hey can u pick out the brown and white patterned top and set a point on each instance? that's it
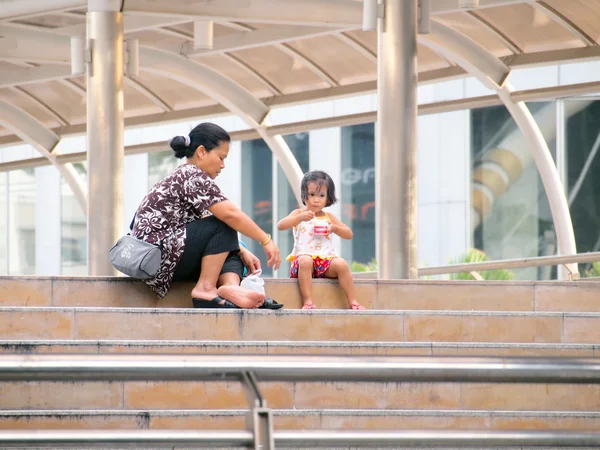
(180, 198)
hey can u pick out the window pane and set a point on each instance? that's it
(74, 229)
(358, 191)
(160, 164)
(21, 222)
(510, 215)
(3, 225)
(286, 200)
(583, 175)
(257, 192)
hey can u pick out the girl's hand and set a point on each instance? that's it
(272, 252)
(250, 260)
(306, 215)
(330, 229)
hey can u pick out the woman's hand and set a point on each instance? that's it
(250, 260)
(272, 252)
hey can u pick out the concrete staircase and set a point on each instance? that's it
(108, 315)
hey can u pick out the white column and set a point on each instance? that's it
(396, 155)
(47, 221)
(325, 153)
(105, 128)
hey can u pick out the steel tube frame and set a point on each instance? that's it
(298, 368)
(493, 73)
(105, 134)
(396, 152)
(33, 132)
(295, 439)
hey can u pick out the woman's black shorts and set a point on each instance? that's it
(204, 237)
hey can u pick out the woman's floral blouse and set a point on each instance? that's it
(182, 197)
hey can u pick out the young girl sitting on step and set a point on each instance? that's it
(313, 255)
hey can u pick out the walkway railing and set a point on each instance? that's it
(251, 369)
(475, 268)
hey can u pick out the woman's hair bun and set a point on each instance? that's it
(179, 146)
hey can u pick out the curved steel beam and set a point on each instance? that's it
(229, 94)
(33, 132)
(493, 73)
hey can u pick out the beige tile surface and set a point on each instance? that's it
(327, 293)
(582, 330)
(202, 422)
(315, 326)
(546, 423)
(201, 395)
(377, 395)
(72, 422)
(455, 296)
(402, 422)
(157, 325)
(23, 324)
(583, 296)
(25, 291)
(535, 397)
(60, 395)
(482, 328)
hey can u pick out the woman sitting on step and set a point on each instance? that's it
(205, 250)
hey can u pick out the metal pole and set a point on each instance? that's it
(304, 439)
(396, 155)
(298, 368)
(105, 127)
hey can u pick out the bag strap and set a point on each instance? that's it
(132, 222)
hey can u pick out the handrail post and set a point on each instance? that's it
(259, 419)
(573, 276)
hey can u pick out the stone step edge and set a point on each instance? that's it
(287, 312)
(302, 412)
(299, 344)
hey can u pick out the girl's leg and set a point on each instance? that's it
(339, 269)
(305, 271)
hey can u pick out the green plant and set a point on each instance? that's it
(371, 266)
(474, 255)
(594, 271)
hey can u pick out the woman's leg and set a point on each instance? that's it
(210, 253)
(339, 269)
(206, 286)
(305, 271)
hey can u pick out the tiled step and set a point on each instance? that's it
(299, 347)
(299, 395)
(285, 325)
(300, 419)
(374, 294)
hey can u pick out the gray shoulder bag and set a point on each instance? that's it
(136, 258)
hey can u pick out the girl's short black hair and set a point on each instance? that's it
(207, 134)
(322, 179)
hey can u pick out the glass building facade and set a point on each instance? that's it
(478, 187)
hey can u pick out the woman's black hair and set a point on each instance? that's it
(322, 179)
(206, 134)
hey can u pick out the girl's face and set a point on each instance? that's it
(317, 196)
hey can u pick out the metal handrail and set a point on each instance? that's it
(298, 368)
(305, 438)
(249, 369)
(512, 263)
(519, 263)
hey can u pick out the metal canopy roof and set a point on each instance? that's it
(281, 51)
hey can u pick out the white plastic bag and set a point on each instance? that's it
(254, 282)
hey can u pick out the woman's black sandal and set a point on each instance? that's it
(215, 303)
(270, 304)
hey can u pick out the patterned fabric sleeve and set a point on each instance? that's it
(202, 192)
